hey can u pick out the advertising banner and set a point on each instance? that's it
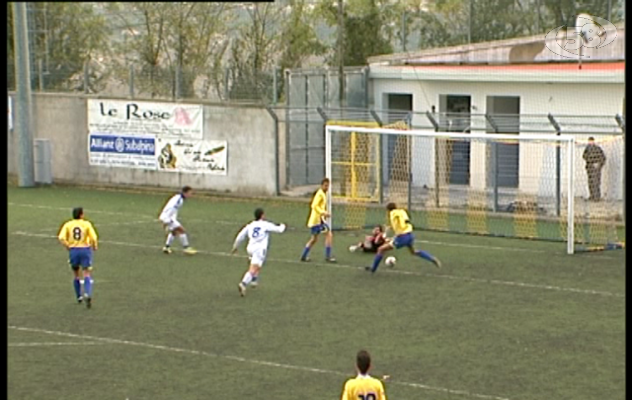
(192, 156)
(122, 151)
(123, 117)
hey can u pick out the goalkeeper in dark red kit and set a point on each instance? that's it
(371, 243)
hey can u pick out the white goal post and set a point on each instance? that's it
(363, 166)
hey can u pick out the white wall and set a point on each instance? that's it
(249, 132)
(535, 98)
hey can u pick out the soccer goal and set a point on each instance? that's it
(529, 186)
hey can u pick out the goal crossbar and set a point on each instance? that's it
(454, 135)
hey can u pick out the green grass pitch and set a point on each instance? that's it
(504, 318)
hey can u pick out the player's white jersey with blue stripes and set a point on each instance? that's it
(170, 210)
(258, 234)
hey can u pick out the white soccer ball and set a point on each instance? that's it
(391, 261)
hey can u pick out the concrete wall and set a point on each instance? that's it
(535, 98)
(249, 131)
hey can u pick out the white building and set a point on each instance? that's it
(523, 79)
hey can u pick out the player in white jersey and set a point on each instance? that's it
(258, 234)
(169, 218)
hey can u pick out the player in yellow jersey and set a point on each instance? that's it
(363, 386)
(79, 237)
(317, 222)
(403, 230)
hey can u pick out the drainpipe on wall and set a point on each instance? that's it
(275, 118)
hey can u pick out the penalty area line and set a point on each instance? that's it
(388, 271)
(44, 344)
(248, 361)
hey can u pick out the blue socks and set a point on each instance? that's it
(327, 251)
(376, 262)
(305, 252)
(425, 255)
(77, 285)
(87, 286)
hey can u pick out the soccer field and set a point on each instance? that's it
(503, 319)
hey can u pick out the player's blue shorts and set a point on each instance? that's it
(320, 228)
(404, 240)
(80, 257)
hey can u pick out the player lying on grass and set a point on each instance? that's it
(403, 229)
(371, 243)
(258, 234)
(169, 218)
(80, 239)
(363, 386)
(317, 222)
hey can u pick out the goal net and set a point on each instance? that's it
(529, 186)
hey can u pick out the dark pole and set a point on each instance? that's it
(469, 22)
(409, 141)
(404, 31)
(341, 62)
(306, 131)
(494, 126)
(558, 167)
(496, 172)
(288, 124)
(537, 19)
(275, 118)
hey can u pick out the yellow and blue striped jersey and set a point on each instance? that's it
(318, 208)
(400, 221)
(363, 387)
(78, 233)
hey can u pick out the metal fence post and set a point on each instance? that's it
(40, 72)
(496, 174)
(275, 118)
(306, 130)
(558, 168)
(86, 77)
(495, 161)
(131, 81)
(178, 83)
(226, 77)
(275, 89)
(326, 88)
(437, 174)
(410, 163)
(288, 125)
(621, 123)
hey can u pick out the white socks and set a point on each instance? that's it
(169, 239)
(184, 240)
(247, 278)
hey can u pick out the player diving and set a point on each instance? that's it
(403, 230)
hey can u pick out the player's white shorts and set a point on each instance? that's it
(257, 257)
(171, 224)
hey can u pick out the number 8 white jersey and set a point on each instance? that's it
(170, 210)
(258, 234)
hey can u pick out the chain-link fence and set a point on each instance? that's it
(140, 82)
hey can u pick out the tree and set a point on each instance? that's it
(165, 37)
(64, 36)
(254, 52)
(366, 30)
(299, 40)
